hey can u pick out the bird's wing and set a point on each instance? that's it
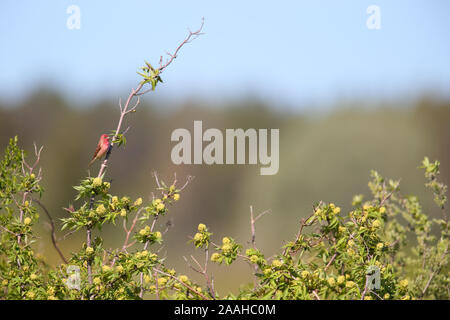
(99, 145)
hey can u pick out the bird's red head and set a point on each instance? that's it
(105, 137)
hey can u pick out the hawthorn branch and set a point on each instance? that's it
(141, 275)
(9, 231)
(190, 37)
(436, 271)
(172, 56)
(126, 109)
(203, 271)
(89, 263)
(330, 262)
(316, 295)
(366, 287)
(387, 197)
(128, 231)
(182, 283)
(52, 225)
(135, 93)
(252, 224)
(253, 239)
(155, 218)
(155, 275)
(37, 154)
(303, 223)
(371, 291)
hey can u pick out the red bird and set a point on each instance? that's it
(102, 148)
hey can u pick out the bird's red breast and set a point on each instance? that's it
(102, 148)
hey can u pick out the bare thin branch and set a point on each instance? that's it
(190, 37)
(9, 231)
(52, 226)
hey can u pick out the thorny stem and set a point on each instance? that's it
(141, 276)
(182, 283)
(253, 240)
(303, 223)
(155, 275)
(123, 112)
(316, 295)
(203, 271)
(88, 243)
(366, 287)
(52, 225)
(137, 92)
(435, 272)
(30, 168)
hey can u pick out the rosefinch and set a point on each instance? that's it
(102, 148)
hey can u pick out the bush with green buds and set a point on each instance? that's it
(334, 255)
(331, 256)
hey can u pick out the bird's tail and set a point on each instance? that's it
(92, 161)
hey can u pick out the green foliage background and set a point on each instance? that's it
(325, 155)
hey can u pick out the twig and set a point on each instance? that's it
(188, 180)
(155, 275)
(387, 197)
(88, 243)
(9, 231)
(128, 232)
(316, 295)
(141, 276)
(253, 239)
(303, 223)
(252, 224)
(155, 219)
(31, 168)
(330, 262)
(203, 271)
(190, 37)
(366, 287)
(182, 283)
(124, 110)
(52, 225)
(69, 234)
(434, 272)
(371, 291)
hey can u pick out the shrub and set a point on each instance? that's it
(335, 255)
(331, 257)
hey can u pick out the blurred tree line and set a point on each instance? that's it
(323, 155)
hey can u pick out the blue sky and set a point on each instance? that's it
(294, 52)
